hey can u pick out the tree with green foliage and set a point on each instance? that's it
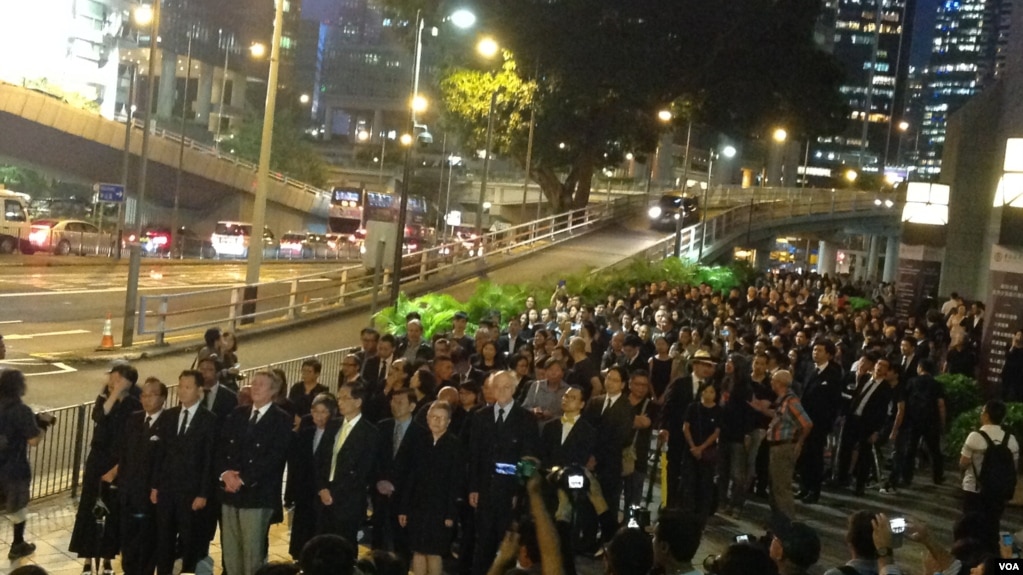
(292, 153)
(603, 68)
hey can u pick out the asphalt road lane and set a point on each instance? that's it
(600, 248)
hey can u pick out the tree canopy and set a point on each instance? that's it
(597, 72)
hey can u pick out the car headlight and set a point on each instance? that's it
(655, 212)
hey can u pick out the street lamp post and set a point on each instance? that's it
(487, 48)
(728, 152)
(154, 35)
(685, 186)
(903, 126)
(255, 252)
(126, 158)
(181, 148)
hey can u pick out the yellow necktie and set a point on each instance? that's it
(345, 429)
(568, 420)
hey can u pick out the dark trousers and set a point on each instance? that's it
(811, 461)
(387, 533)
(611, 487)
(855, 439)
(344, 517)
(494, 515)
(991, 512)
(178, 527)
(675, 476)
(931, 436)
(763, 479)
(138, 530)
(698, 486)
(467, 542)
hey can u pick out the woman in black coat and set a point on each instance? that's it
(119, 399)
(428, 502)
(300, 493)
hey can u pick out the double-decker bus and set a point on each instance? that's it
(347, 213)
(381, 218)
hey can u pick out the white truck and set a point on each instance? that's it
(14, 223)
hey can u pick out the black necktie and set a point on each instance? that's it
(500, 417)
(149, 422)
(184, 422)
(255, 417)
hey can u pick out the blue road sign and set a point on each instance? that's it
(110, 192)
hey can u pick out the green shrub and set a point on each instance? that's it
(859, 303)
(970, 421)
(961, 394)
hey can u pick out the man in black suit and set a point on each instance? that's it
(821, 398)
(375, 369)
(412, 346)
(634, 359)
(868, 411)
(611, 414)
(344, 471)
(925, 419)
(908, 360)
(567, 441)
(183, 480)
(139, 448)
(250, 464)
(510, 342)
(678, 396)
(390, 471)
(368, 338)
(219, 400)
(502, 434)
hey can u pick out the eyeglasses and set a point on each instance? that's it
(350, 364)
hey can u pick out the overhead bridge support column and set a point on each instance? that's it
(827, 254)
(891, 259)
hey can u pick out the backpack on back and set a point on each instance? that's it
(997, 478)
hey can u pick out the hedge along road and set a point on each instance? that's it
(599, 248)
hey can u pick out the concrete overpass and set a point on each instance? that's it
(755, 216)
(45, 131)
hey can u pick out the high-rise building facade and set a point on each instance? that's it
(871, 41)
(968, 54)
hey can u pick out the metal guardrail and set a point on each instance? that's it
(213, 151)
(287, 300)
(763, 208)
(57, 462)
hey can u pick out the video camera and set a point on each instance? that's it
(45, 421)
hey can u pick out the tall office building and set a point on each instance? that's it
(361, 73)
(871, 40)
(968, 54)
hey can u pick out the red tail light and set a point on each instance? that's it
(39, 235)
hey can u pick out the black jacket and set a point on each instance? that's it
(355, 462)
(822, 397)
(223, 404)
(257, 454)
(614, 431)
(489, 444)
(576, 450)
(185, 465)
(875, 411)
(139, 449)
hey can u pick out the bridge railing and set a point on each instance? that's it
(316, 294)
(750, 210)
(214, 151)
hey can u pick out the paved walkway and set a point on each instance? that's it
(51, 520)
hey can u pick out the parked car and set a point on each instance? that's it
(156, 241)
(63, 237)
(231, 239)
(14, 223)
(307, 245)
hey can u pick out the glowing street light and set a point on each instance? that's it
(463, 18)
(851, 175)
(303, 99)
(406, 139)
(487, 47)
(257, 49)
(728, 151)
(143, 14)
(780, 135)
(664, 115)
(903, 126)
(419, 103)
(363, 135)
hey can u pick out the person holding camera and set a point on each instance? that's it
(795, 547)
(19, 430)
(872, 545)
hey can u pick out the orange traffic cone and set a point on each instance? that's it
(108, 335)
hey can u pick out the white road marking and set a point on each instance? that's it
(10, 321)
(15, 336)
(112, 289)
(31, 361)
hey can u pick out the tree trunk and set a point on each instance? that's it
(551, 187)
(584, 180)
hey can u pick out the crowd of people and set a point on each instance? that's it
(455, 441)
